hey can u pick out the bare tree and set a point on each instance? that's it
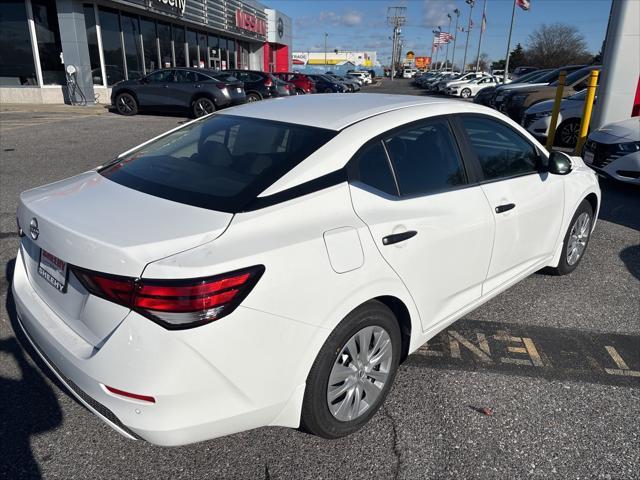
(556, 45)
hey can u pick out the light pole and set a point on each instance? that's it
(446, 55)
(325, 48)
(464, 61)
(484, 13)
(455, 37)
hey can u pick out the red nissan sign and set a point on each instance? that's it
(249, 22)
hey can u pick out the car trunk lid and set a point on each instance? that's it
(93, 223)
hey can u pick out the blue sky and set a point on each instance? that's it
(361, 24)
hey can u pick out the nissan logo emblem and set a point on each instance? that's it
(34, 231)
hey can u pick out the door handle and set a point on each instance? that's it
(505, 208)
(198, 86)
(398, 237)
(165, 86)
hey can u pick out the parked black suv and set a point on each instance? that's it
(257, 85)
(177, 89)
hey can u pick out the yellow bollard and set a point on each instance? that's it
(586, 112)
(556, 110)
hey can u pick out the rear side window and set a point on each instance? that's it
(501, 151)
(373, 169)
(426, 159)
(162, 76)
(221, 163)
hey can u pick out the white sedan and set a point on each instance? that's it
(537, 119)
(242, 271)
(472, 87)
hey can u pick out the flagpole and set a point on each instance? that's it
(464, 61)
(482, 23)
(453, 55)
(506, 63)
(446, 55)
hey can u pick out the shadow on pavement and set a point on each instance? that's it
(28, 405)
(620, 203)
(631, 258)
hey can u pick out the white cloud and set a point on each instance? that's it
(350, 18)
(435, 13)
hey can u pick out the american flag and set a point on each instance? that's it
(523, 4)
(442, 37)
(483, 27)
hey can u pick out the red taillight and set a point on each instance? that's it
(221, 85)
(268, 82)
(175, 304)
(135, 396)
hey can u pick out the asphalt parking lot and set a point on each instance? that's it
(541, 382)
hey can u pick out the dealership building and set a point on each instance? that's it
(47, 45)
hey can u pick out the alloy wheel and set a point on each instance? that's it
(578, 238)
(359, 373)
(203, 106)
(126, 104)
(569, 133)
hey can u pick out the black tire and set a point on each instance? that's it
(202, 106)
(465, 93)
(126, 104)
(328, 90)
(316, 417)
(253, 97)
(564, 266)
(300, 91)
(567, 133)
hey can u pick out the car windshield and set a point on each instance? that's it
(532, 76)
(221, 162)
(575, 76)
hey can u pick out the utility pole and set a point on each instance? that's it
(506, 62)
(484, 16)
(455, 37)
(396, 17)
(471, 4)
(325, 48)
(446, 55)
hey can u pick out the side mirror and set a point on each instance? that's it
(559, 163)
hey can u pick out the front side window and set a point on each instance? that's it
(162, 76)
(425, 158)
(187, 76)
(221, 163)
(501, 151)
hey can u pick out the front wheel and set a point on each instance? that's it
(253, 97)
(576, 239)
(126, 104)
(465, 93)
(203, 106)
(352, 373)
(567, 134)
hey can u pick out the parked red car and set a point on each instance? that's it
(302, 83)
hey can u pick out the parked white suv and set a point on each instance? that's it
(365, 77)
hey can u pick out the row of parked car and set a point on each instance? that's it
(613, 150)
(203, 91)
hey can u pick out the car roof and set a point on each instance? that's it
(330, 111)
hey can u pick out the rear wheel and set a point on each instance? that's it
(300, 91)
(253, 97)
(567, 134)
(202, 106)
(576, 239)
(352, 373)
(126, 104)
(465, 93)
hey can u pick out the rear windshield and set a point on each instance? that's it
(222, 162)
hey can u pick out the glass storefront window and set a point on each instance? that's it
(192, 40)
(92, 41)
(111, 46)
(202, 44)
(224, 62)
(214, 53)
(149, 44)
(231, 46)
(16, 57)
(45, 18)
(178, 46)
(132, 47)
(164, 36)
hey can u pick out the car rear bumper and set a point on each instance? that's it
(205, 381)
